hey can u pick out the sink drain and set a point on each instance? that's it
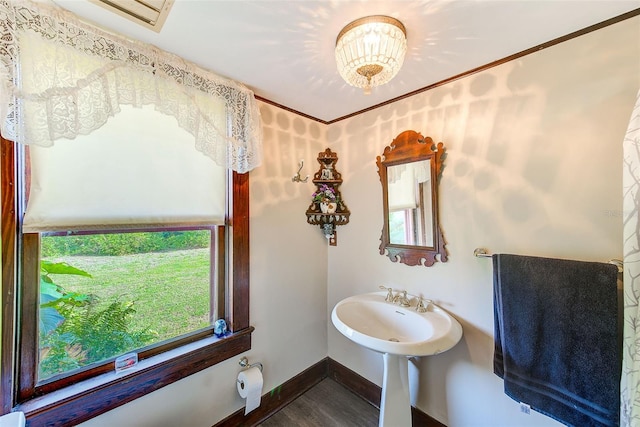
(394, 339)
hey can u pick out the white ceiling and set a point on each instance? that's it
(284, 49)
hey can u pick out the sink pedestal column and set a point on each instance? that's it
(395, 404)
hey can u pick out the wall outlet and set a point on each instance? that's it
(333, 240)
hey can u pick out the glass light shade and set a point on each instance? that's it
(370, 51)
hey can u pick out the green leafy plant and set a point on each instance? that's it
(52, 295)
(76, 330)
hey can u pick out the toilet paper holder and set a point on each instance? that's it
(244, 362)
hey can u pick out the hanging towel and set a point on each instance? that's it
(557, 341)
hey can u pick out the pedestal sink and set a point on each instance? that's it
(396, 332)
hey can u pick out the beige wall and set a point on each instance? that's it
(533, 167)
(534, 153)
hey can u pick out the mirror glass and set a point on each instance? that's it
(409, 203)
(409, 170)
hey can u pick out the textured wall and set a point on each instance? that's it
(533, 167)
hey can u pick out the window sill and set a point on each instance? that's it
(87, 399)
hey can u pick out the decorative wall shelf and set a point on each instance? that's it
(330, 213)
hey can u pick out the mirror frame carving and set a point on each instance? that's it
(411, 146)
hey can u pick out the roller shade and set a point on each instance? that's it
(403, 183)
(140, 169)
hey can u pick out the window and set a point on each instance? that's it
(51, 356)
(71, 86)
(106, 294)
(401, 226)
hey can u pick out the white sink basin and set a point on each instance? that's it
(372, 322)
(396, 332)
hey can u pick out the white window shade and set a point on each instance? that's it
(139, 169)
(402, 188)
(403, 183)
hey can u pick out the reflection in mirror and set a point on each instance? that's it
(409, 171)
(410, 207)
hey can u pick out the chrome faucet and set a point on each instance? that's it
(401, 299)
(389, 297)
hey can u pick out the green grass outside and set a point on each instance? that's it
(170, 289)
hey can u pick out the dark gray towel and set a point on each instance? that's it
(557, 340)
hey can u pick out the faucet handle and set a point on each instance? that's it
(389, 297)
(422, 305)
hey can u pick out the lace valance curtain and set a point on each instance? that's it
(62, 78)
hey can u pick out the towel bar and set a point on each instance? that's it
(618, 263)
(483, 253)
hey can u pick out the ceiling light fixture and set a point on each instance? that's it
(370, 51)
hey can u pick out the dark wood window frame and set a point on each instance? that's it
(29, 386)
(93, 396)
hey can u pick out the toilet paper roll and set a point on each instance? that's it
(250, 387)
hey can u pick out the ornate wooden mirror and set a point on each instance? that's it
(410, 168)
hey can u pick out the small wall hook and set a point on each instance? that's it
(296, 177)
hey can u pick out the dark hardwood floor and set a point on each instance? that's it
(327, 404)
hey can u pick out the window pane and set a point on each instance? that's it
(103, 295)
